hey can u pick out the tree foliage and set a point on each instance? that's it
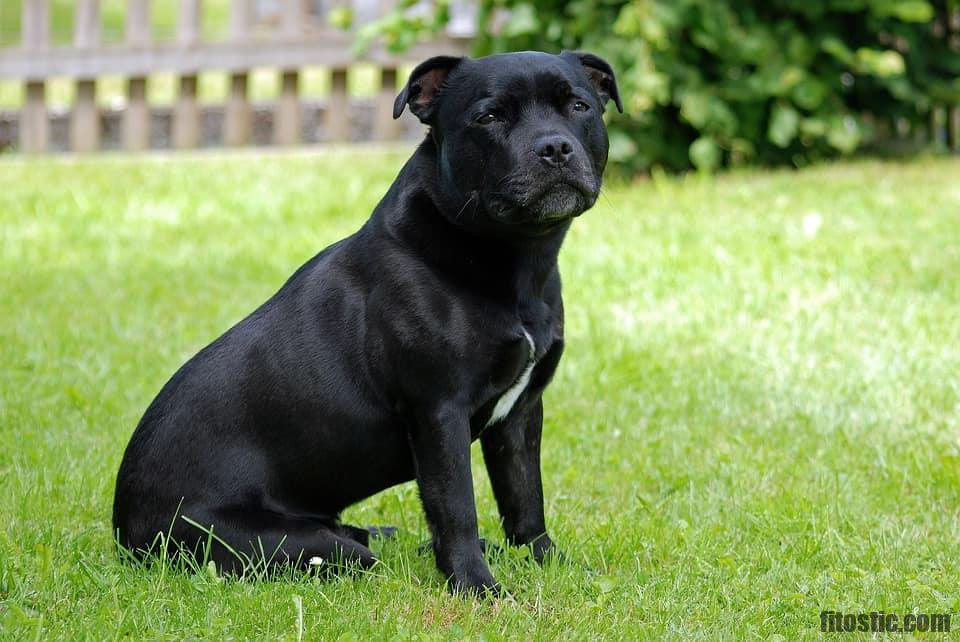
(710, 84)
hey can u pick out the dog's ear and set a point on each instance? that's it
(424, 84)
(599, 73)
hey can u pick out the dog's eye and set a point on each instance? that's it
(580, 106)
(488, 118)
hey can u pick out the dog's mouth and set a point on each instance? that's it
(549, 205)
(562, 201)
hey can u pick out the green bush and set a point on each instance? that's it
(710, 84)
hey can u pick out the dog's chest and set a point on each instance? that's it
(509, 397)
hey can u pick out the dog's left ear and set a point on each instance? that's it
(599, 73)
(424, 84)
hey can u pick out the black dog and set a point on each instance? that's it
(382, 358)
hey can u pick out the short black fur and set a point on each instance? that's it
(383, 357)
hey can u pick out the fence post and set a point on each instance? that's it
(186, 113)
(933, 125)
(34, 123)
(286, 118)
(953, 129)
(336, 119)
(286, 127)
(136, 117)
(85, 118)
(385, 126)
(237, 120)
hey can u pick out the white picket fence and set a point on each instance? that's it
(295, 36)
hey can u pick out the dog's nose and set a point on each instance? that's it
(555, 150)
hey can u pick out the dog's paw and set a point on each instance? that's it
(544, 550)
(476, 583)
(468, 574)
(489, 549)
(382, 532)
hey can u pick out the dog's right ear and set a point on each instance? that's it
(599, 73)
(424, 84)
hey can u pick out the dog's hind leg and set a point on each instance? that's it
(363, 535)
(242, 540)
(382, 532)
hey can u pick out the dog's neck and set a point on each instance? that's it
(497, 264)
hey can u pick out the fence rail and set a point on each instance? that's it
(297, 37)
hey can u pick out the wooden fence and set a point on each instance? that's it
(299, 37)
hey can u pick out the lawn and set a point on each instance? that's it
(757, 417)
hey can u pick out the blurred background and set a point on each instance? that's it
(757, 416)
(705, 84)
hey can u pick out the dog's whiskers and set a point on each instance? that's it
(469, 200)
(605, 197)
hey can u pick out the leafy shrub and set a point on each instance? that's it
(710, 84)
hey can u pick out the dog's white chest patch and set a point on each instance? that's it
(510, 396)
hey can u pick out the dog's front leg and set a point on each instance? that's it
(441, 452)
(511, 452)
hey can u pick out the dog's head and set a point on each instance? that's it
(520, 137)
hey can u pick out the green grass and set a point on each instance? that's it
(757, 417)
